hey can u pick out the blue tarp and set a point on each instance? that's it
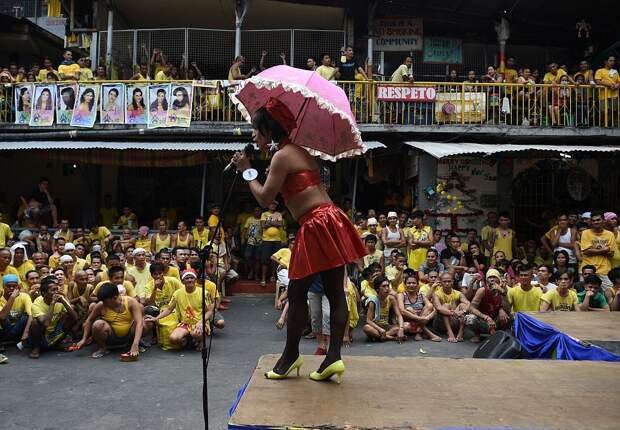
(541, 340)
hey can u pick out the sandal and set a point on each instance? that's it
(99, 354)
(34, 355)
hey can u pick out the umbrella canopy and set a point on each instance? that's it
(325, 125)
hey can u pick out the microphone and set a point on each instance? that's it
(248, 150)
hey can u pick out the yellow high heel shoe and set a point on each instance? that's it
(336, 368)
(296, 365)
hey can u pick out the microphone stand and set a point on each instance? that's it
(204, 258)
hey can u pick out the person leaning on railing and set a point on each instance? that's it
(608, 77)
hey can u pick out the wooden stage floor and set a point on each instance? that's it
(434, 393)
(587, 326)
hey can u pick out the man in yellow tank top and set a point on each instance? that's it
(115, 322)
(451, 308)
(200, 233)
(503, 238)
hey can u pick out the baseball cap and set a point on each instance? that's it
(65, 259)
(69, 247)
(372, 221)
(6, 279)
(138, 251)
(586, 215)
(493, 273)
(392, 214)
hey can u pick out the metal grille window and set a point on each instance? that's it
(314, 43)
(212, 50)
(274, 41)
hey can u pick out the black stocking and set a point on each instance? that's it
(333, 284)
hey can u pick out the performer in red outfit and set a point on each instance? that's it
(324, 244)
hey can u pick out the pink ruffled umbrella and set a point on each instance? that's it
(325, 124)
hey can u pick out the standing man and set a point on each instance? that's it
(200, 233)
(251, 237)
(598, 247)
(419, 240)
(487, 233)
(608, 97)
(326, 70)
(503, 237)
(140, 272)
(69, 70)
(271, 223)
(5, 233)
(347, 69)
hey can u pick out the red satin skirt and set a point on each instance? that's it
(326, 239)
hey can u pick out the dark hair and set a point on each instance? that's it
(433, 250)
(596, 213)
(31, 271)
(549, 268)
(113, 90)
(107, 291)
(267, 126)
(469, 230)
(133, 100)
(20, 103)
(588, 266)
(49, 102)
(525, 267)
(114, 270)
(91, 103)
(367, 272)
(71, 92)
(369, 238)
(46, 283)
(180, 104)
(111, 257)
(417, 214)
(156, 268)
(408, 272)
(325, 55)
(376, 284)
(409, 275)
(555, 256)
(504, 214)
(164, 103)
(592, 279)
(613, 274)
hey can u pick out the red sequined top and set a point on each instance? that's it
(296, 182)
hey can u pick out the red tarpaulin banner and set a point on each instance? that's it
(393, 93)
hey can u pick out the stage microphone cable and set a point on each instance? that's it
(204, 257)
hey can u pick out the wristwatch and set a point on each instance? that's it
(250, 174)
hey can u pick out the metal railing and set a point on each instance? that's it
(428, 104)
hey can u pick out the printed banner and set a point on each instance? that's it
(112, 104)
(44, 108)
(443, 50)
(23, 103)
(470, 107)
(398, 34)
(180, 111)
(65, 102)
(137, 99)
(407, 93)
(158, 107)
(85, 110)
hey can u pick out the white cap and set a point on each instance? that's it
(96, 248)
(66, 259)
(187, 273)
(69, 247)
(586, 215)
(392, 214)
(372, 221)
(138, 251)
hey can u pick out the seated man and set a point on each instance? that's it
(489, 309)
(451, 306)
(561, 298)
(187, 303)
(52, 316)
(523, 296)
(15, 311)
(378, 325)
(116, 276)
(115, 322)
(591, 298)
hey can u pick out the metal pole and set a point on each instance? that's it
(241, 8)
(108, 61)
(204, 189)
(237, 40)
(353, 200)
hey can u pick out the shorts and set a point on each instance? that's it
(252, 251)
(283, 277)
(480, 326)
(267, 249)
(439, 326)
(319, 313)
(218, 317)
(13, 328)
(49, 340)
(116, 341)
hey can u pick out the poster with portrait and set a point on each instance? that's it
(158, 105)
(85, 109)
(23, 103)
(112, 104)
(43, 107)
(65, 102)
(137, 100)
(180, 109)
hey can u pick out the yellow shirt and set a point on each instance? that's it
(163, 295)
(162, 243)
(550, 78)
(188, 306)
(201, 239)
(326, 72)
(372, 258)
(212, 223)
(108, 215)
(21, 305)
(23, 269)
(398, 74)
(367, 289)
(40, 308)
(69, 70)
(559, 303)
(485, 236)
(42, 76)
(590, 239)
(524, 301)
(86, 74)
(142, 278)
(271, 233)
(453, 298)
(615, 260)
(511, 75)
(124, 220)
(120, 322)
(5, 234)
(9, 270)
(354, 316)
(131, 292)
(242, 218)
(283, 256)
(144, 244)
(504, 242)
(161, 76)
(391, 272)
(608, 76)
(101, 234)
(173, 271)
(86, 294)
(417, 256)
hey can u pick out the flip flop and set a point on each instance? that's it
(3, 359)
(34, 355)
(99, 354)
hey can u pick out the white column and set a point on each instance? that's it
(108, 60)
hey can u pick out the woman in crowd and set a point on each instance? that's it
(416, 309)
(561, 265)
(378, 325)
(475, 258)
(392, 235)
(431, 263)
(183, 238)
